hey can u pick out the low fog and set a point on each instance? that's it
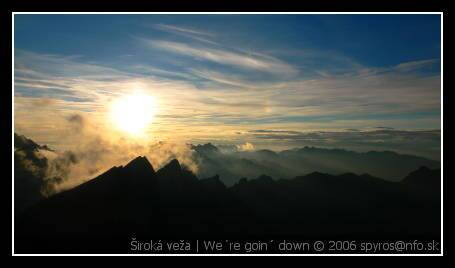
(41, 171)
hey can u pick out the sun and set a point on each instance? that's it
(133, 113)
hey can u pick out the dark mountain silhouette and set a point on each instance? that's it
(22, 142)
(108, 204)
(422, 178)
(30, 180)
(103, 214)
(348, 204)
(421, 184)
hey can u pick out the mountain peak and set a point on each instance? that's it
(172, 168)
(173, 164)
(265, 179)
(206, 148)
(24, 143)
(210, 145)
(423, 169)
(423, 175)
(213, 183)
(140, 163)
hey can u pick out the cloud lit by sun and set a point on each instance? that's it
(132, 114)
(179, 81)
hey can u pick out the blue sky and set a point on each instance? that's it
(372, 40)
(235, 73)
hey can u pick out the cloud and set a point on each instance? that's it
(226, 57)
(94, 151)
(415, 65)
(419, 142)
(199, 35)
(37, 171)
(77, 121)
(179, 29)
(227, 104)
(389, 128)
(288, 132)
(245, 147)
(382, 132)
(230, 80)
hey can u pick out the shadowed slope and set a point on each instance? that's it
(173, 203)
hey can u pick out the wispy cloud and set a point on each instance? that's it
(226, 79)
(179, 29)
(226, 57)
(415, 65)
(49, 87)
(195, 34)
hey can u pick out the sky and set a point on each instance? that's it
(360, 82)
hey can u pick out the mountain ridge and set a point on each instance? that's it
(299, 161)
(135, 200)
(133, 180)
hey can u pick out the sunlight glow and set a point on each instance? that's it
(133, 113)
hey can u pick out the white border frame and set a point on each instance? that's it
(235, 13)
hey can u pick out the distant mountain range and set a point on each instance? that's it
(232, 165)
(103, 214)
